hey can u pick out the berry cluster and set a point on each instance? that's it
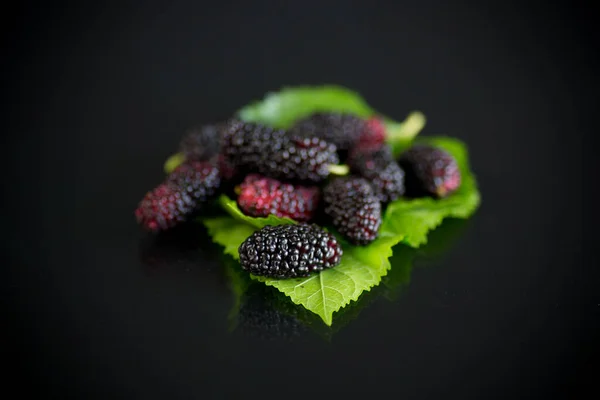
(291, 173)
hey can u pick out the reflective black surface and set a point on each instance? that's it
(505, 305)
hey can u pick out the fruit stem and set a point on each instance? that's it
(407, 129)
(339, 169)
(173, 162)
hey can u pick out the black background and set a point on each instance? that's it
(96, 96)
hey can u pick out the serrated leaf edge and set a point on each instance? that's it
(327, 316)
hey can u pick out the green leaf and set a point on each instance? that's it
(413, 219)
(391, 287)
(232, 209)
(228, 232)
(281, 109)
(328, 291)
(324, 293)
(361, 268)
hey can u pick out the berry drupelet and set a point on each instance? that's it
(289, 251)
(164, 207)
(353, 208)
(201, 143)
(377, 165)
(430, 171)
(275, 154)
(343, 130)
(185, 190)
(260, 196)
(245, 144)
(200, 179)
(299, 159)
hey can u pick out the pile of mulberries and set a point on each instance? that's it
(328, 169)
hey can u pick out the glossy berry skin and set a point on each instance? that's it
(244, 144)
(298, 159)
(373, 133)
(342, 130)
(260, 196)
(200, 143)
(353, 209)
(430, 171)
(377, 165)
(164, 207)
(276, 154)
(289, 251)
(185, 190)
(199, 179)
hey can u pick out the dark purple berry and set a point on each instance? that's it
(289, 251)
(377, 165)
(185, 190)
(353, 208)
(201, 143)
(430, 171)
(260, 196)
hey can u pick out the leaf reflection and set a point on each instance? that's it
(263, 312)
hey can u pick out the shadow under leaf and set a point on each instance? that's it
(262, 312)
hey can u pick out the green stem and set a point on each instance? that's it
(407, 129)
(173, 162)
(339, 169)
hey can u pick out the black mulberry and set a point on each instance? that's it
(260, 196)
(343, 130)
(354, 209)
(244, 144)
(430, 171)
(377, 165)
(201, 143)
(185, 190)
(289, 251)
(276, 154)
(298, 159)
